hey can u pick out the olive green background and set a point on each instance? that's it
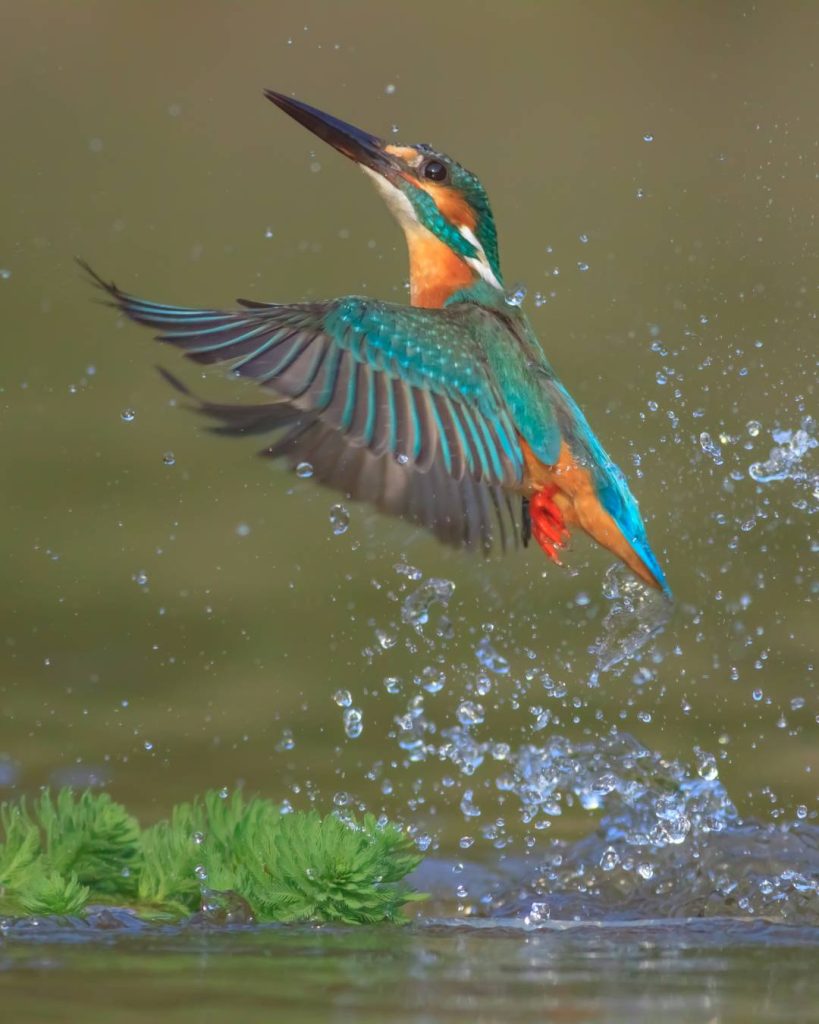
(135, 135)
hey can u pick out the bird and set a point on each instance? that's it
(445, 412)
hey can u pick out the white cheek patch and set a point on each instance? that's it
(479, 263)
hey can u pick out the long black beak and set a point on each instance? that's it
(360, 146)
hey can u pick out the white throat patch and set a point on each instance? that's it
(400, 207)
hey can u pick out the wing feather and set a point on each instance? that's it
(393, 380)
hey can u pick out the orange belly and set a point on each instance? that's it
(572, 491)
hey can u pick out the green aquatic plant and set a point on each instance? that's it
(53, 893)
(67, 850)
(349, 874)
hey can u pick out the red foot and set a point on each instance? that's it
(548, 527)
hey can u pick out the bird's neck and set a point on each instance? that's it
(436, 272)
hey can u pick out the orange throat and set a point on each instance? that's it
(436, 272)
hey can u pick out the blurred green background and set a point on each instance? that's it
(670, 147)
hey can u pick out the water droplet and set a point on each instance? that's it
(198, 838)
(753, 427)
(423, 841)
(385, 640)
(490, 658)
(242, 530)
(483, 685)
(394, 129)
(353, 722)
(582, 267)
(4, 274)
(648, 137)
(339, 519)
(609, 859)
(584, 238)
(201, 872)
(640, 193)
(468, 807)
(141, 578)
(470, 713)
(392, 684)
(516, 296)
(389, 89)
(148, 745)
(343, 698)
(706, 765)
(268, 232)
(416, 607)
(286, 742)
(304, 470)
(169, 459)
(711, 448)
(432, 679)
(538, 913)
(128, 415)
(605, 784)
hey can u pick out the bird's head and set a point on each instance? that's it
(441, 206)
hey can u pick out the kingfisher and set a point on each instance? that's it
(445, 412)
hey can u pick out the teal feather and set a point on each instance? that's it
(349, 406)
(463, 440)
(415, 451)
(477, 444)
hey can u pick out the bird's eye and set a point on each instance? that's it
(435, 170)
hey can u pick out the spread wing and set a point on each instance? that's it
(390, 404)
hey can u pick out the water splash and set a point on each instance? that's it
(650, 801)
(415, 609)
(668, 839)
(670, 843)
(636, 616)
(786, 459)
